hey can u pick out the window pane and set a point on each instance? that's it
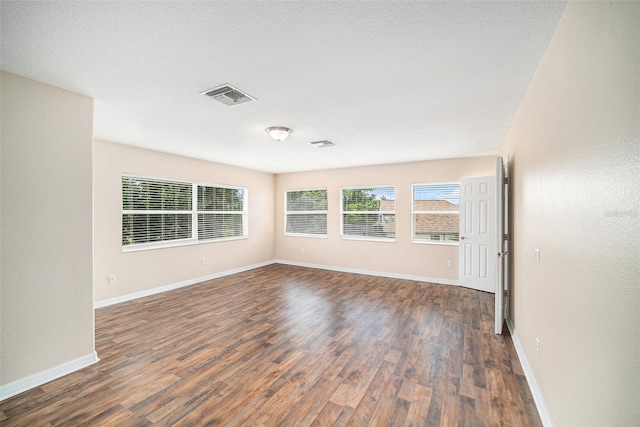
(428, 226)
(149, 228)
(436, 212)
(369, 225)
(155, 195)
(307, 200)
(440, 197)
(219, 226)
(220, 199)
(369, 199)
(307, 224)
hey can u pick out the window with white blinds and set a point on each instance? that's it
(157, 212)
(368, 213)
(306, 213)
(436, 213)
(220, 212)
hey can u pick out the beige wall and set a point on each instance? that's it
(144, 270)
(402, 257)
(47, 283)
(575, 152)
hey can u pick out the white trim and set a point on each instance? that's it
(313, 236)
(368, 239)
(435, 242)
(35, 380)
(177, 243)
(370, 272)
(531, 379)
(171, 286)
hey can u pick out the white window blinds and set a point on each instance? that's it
(436, 213)
(157, 212)
(220, 212)
(368, 212)
(306, 212)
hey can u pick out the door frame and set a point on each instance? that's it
(500, 239)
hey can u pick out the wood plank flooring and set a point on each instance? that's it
(291, 346)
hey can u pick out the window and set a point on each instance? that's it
(220, 212)
(436, 213)
(368, 213)
(306, 213)
(158, 213)
(155, 211)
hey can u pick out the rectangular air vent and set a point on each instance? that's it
(322, 144)
(228, 95)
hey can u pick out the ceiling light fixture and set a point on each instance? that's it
(278, 133)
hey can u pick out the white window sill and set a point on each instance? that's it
(369, 239)
(313, 236)
(435, 242)
(150, 246)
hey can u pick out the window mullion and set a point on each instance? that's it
(194, 211)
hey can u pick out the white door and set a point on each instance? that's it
(478, 233)
(500, 261)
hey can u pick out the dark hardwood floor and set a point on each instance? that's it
(291, 346)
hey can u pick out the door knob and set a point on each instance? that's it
(462, 237)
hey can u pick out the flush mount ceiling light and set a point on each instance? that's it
(278, 133)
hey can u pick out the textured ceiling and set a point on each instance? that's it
(386, 81)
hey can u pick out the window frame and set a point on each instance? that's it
(193, 212)
(378, 212)
(243, 212)
(415, 212)
(312, 212)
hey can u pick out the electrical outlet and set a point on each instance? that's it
(536, 253)
(537, 347)
(301, 250)
(112, 279)
(203, 261)
(450, 264)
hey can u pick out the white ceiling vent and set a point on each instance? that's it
(228, 95)
(322, 144)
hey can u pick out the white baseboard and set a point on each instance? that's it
(531, 380)
(370, 272)
(171, 286)
(35, 380)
